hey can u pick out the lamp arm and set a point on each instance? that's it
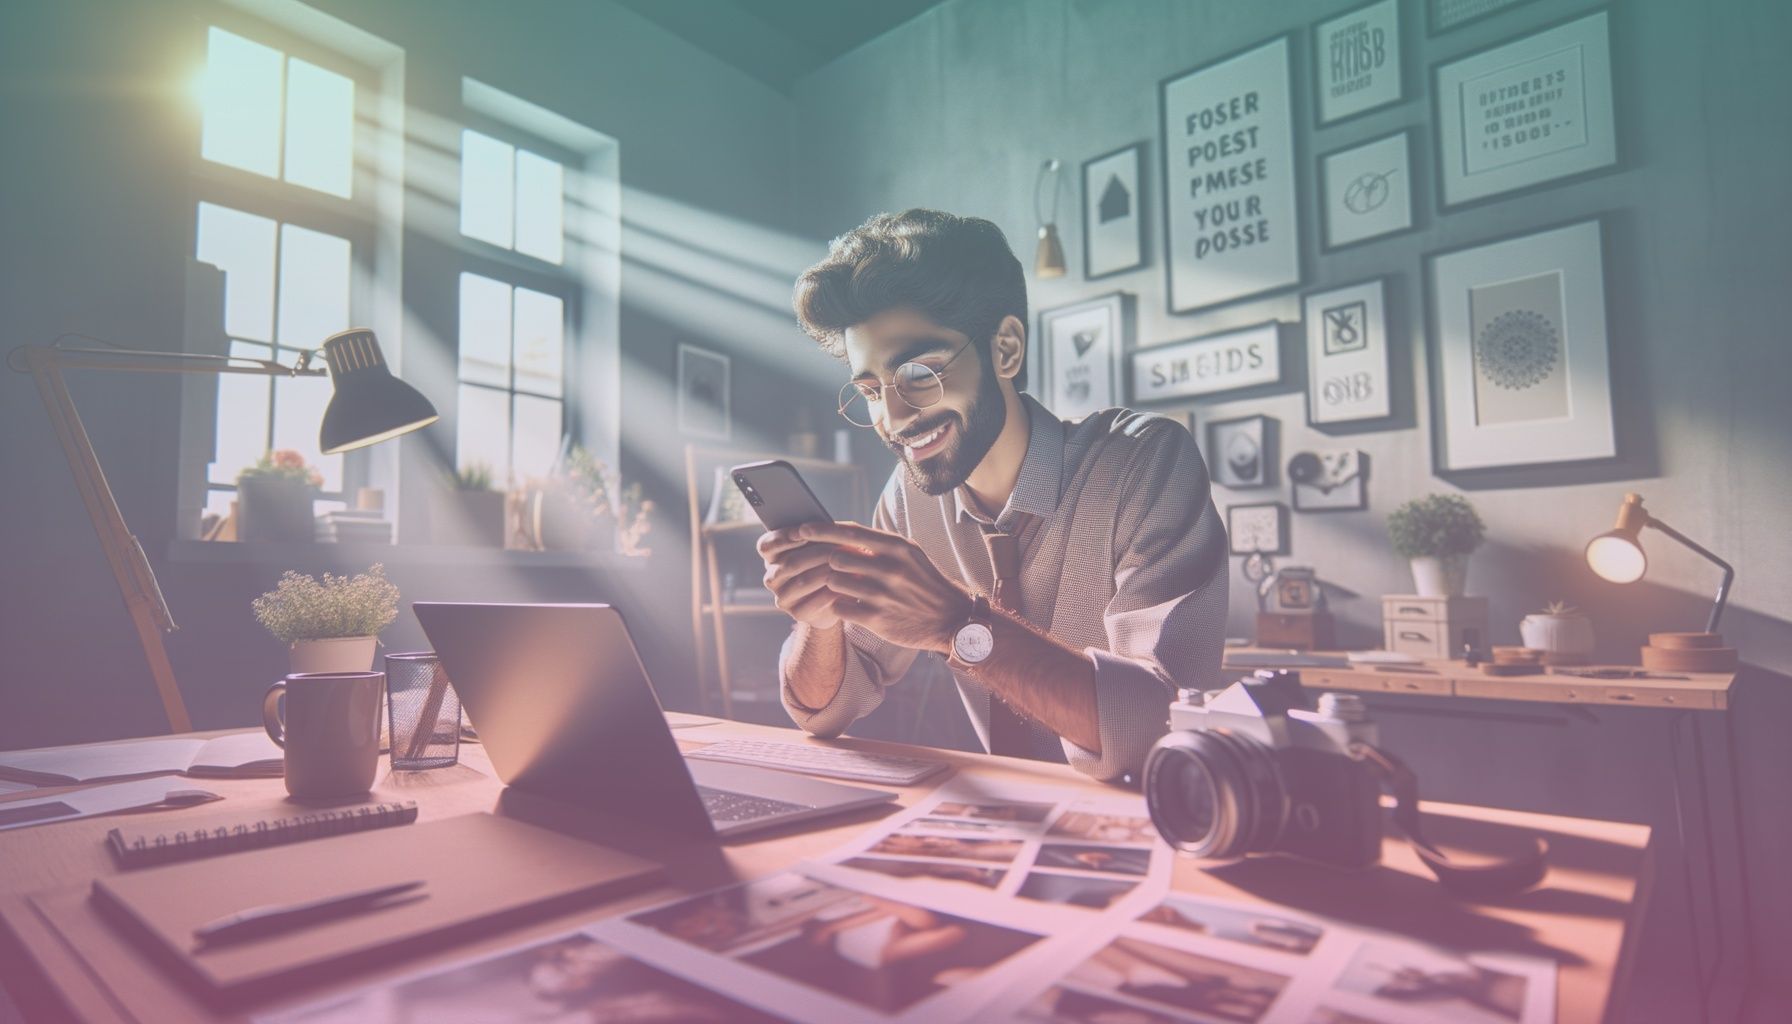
(26, 357)
(1723, 588)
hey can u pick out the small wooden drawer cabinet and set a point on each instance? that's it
(1433, 627)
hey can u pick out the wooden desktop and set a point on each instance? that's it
(1582, 916)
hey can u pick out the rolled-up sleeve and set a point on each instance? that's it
(1166, 622)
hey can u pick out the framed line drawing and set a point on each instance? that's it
(1257, 529)
(1525, 113)
(1080, 348)
(1231, 222)
(1114, 212)
(1241, 452)
(1225, 361)
(1347, 354)
(1523, 362)
(1366, 191)
(704, 408)
(1357, 62)
(1443, 15)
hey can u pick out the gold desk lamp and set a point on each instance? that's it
(1617, 555)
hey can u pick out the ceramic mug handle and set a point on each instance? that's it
(270, 714)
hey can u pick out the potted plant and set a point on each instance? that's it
(274, 496)
(573, 509)
(1437, 533)
(474, 513)
(333, 625)
(1561, 631)
(633, 523)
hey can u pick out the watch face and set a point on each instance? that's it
(973, 643)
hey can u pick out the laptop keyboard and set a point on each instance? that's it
(725, 806)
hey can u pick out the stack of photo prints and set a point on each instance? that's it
(986, 903)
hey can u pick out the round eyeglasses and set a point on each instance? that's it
(918, 385)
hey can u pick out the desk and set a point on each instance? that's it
(1581, 916)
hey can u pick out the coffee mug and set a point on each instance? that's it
(329, 729)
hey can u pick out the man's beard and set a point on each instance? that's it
(975, 435)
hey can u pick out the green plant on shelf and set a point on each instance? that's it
(301, 607)
(281, 464)
(1435, 526)
(474, 476)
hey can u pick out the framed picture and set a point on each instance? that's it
(1531, 111)
(1366, 191)
(1347, 354)
(1329, 481)
(1242, 452)
(1444, 15)
(1114, 212)
(703, 393)
(1523, 365)
(1258, 529)
(1201, 366)
(1356, 61)
(1231, 228)
(1080, 348)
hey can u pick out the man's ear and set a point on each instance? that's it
(1008, 350)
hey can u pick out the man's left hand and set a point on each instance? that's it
(895, 589)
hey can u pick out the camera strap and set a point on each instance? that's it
(1500, 877)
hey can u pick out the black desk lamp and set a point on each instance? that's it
(1617, 555)
(369, 405)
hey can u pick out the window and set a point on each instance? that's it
(512, 198)
(278, 116)
(512, 372)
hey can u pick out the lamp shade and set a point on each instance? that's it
(1048, 259)
(370, 405)
(1616, 556)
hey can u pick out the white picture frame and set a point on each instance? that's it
(1524, 372)
(1257, 528)
(1526, 113)
(1114, 212)
(1366, 191)
(1079, 353)
(1227, 361)
(705, 407)
(1347, 354)
(1357, 62)
(1231, 217)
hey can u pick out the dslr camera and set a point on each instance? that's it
(1250, 769)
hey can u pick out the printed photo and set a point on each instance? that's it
(1146, 971)
(1074, 890)
(1114, 860)
(741, 917)
(1448, 989)
(905, 844)
(575, 978)
(1027, 813)
(1104, 828)
(970, 825)
(987, 878)
(1236, 924)
(1327, 1015)
(1059, 1005)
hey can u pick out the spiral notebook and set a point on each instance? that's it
(144, 845)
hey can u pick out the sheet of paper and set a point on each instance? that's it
(85, 803)
(106, 760)
(237, 751)
(8, 786)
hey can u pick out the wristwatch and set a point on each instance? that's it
(975, 640)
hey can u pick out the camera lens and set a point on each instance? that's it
(1215, 794)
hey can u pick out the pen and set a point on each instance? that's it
(279, 917)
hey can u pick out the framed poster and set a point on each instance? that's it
(1534, 110)
(1258, 529)
(1444, 15)
(1523, 368)
(1201, 366)
(1113, 212)
(1080, 348)
(703, 393)
(1366, 191)
(1356, 61)
(1231, 228)
(1347, 354)
(1242, 452)
(1329, 481)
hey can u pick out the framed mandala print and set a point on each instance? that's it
(1523, 365)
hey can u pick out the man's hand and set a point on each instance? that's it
(797, 573)
(882, 581)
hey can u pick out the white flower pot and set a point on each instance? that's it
(334, 654)
(1558, 634)
(1440, 576)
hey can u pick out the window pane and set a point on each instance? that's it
(219, 501)
(539, 206)
(484, 331)
(320, 128)
(314, 287)
(241, 245)
(241, 97)
(487, 186)
(538, 430)
(540, 342)
(243, 406)
(299, 404)
(482, 433)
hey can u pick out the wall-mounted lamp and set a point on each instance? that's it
(1617, 555)
(1048, 259)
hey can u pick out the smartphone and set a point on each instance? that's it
(779, 494)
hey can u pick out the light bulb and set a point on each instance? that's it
(1617, 557)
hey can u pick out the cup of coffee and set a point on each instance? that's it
(329, 729)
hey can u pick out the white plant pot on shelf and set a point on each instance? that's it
(333, 654)
(1440, 576)
(1558, 634)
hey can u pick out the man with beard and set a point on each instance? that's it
(1073, 574)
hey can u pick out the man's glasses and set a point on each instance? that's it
(918, 385)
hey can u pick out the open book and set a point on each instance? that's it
(238, 755)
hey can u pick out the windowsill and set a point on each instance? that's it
(359, 556)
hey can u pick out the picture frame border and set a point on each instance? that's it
(1122, 346)
(1362, 485)
(684, 425)
(1271, 452)
(1138, 205)
(1280, 328)
(1284, 516)
(1412, 193)
(1399, 70)
(1384, 281)
(1432, 31)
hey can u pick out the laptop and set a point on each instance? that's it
(565, 711)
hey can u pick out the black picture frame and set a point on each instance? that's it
(1361, 483)
(1385, 283)
(1140, 199)
(1282, 521)
(1324, 194)
(1499, 7)
(1223, 471)
(1400, 70)
(1043, 362)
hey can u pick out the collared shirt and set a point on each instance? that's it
(1122, 556)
